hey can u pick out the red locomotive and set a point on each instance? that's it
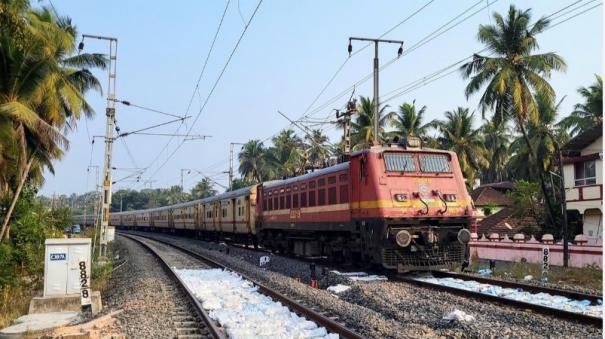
(399, 206)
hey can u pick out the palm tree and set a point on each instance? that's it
(590, 112)
(544, 137)
(513, 74)
(497, 142)
(316, 150)
(252, 160)
(458, 136)
(362, 131)
(41, 94)
(408, 121)
(285, 157)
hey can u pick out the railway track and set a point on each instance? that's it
(538, 308)
(174, 250)
(187, 325)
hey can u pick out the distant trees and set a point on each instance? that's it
(588, 113)
(203, 189)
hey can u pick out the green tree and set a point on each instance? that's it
(497, 142)
(362, 129)
(408, 121)
(203, 189)
(513, 74)
(317, 150)
(589, 113)
(285, 158)
(457, 135)
(41, 93)
(253, 160)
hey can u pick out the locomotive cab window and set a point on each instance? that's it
(434, 163)
(399, 162)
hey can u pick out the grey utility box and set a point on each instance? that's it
(66, 262)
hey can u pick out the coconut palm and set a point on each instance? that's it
(316, 148)
(252, 160)
(497, 142)
(544, 137)
(457, 135)
(285, 158)
(513, 74)
(362, 131)
(41, 93)
(408, 121)
(589, 113)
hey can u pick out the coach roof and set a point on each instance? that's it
(332, 169)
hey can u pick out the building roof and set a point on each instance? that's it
(486, 195)
(505, 222)
(582, 140)
(502, 185)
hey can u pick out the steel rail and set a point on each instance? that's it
(214, 330)
(573, 316)
(301, 310)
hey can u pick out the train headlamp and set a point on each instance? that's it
(414, 142)
(464, 236)
(403, 238)
(401, 197)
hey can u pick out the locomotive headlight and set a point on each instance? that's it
(401, 197)
(464, 236)
(403, 238)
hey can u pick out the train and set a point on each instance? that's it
(398, 206)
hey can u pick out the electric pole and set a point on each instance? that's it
(231, 164)
(110, 112)
(183, 178)
(376, 82)
(345, 120)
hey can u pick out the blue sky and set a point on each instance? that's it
(289, 52)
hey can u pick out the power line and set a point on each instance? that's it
(128, 103)
(214, 86)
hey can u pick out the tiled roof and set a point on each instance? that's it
(485, 195)
(580, 141)
(504, 222)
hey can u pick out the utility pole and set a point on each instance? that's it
(183, 178)
(231, 164)
(345, 120)
(376, 82)
(110, 112)
(563, 197)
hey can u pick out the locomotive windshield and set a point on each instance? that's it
(399, 162)
(434, 163)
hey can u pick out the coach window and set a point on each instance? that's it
(311, 198)
(270, 204)
(343, 177)
(303, 199)
(332, 195)
(321, 182)
(331, 180)
(311, 184)
(295, 200)
(281, 202)
(265, 204)
(288, 201)
(321, 197)
(275, 204)
(344, 194)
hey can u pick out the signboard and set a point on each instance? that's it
(58, 256)
(264, 261)
(85, 297)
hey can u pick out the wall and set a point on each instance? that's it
(506, 249)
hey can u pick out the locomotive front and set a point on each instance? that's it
(412, 206)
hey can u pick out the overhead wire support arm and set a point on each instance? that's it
(151, 127)
(128, 103)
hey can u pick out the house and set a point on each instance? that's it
(583, 178)
(492, 198)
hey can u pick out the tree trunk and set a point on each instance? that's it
(5, 228)
(532, 154)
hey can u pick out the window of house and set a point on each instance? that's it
(332, 195)
(295, 200)
(311, 198)
(303, 199)
(585, 173)
(321, 197)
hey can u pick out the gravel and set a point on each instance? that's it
(390, 309)
(145, 292)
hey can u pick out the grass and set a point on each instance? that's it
(14, 302)
(590, 277)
